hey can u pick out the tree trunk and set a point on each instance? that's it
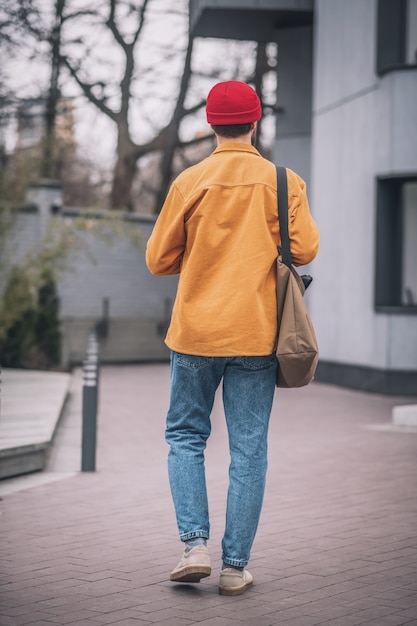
(49, 167)
(124, 172)
(166, 167)
(171, 136)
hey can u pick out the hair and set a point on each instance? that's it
(232, 130)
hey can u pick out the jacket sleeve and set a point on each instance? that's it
(303, 232)
(165, 247)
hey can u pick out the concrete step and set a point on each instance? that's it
(405, 415)
(31, 405)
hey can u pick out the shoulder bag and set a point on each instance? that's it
(296, 343)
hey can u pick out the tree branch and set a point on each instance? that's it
(128, 49)
(71, 16)
(88, 92)
(196, 140)
(111, 23)
(141, 21)
(194, 109)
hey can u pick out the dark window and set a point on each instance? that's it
(396, 244)
(397, 34)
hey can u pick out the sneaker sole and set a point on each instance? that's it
(234, 591)
(191, 574)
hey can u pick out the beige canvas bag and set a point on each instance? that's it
(296, 345)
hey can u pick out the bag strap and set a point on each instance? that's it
(285, 249)
(283, 215)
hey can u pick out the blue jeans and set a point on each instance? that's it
(248, 391)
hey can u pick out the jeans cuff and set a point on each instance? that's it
(234, 562)
(193, 534)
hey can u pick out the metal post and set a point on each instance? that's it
(90, 405)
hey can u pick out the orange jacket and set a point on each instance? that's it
(219, 230)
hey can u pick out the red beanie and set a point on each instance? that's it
(232, 102)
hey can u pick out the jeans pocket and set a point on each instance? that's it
(192, 361)
(258, 362)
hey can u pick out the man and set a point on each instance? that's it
(219, 230)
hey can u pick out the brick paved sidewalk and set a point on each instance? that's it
(337, 543)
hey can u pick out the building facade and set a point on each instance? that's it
(347, 123)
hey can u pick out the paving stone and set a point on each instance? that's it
(336, 545)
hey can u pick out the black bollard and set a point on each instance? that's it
(90, 406)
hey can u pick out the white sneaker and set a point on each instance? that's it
(193, 566)
(233, 581)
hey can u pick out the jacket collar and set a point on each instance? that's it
(236, 146)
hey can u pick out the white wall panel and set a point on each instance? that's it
(363, 126)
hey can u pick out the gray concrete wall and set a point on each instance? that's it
(363, 126)
(129, 340)
(139, 304)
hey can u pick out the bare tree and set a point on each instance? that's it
(16, 18)
(51, 32)
(129, 152)
(72, 33)
(54, 38)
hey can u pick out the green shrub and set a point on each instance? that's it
(29, 332)
(47, 327)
